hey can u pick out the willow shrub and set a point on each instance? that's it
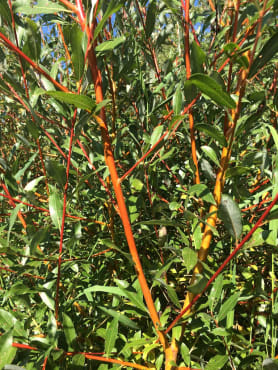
(138, 149)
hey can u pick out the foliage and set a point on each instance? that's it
(139, 146)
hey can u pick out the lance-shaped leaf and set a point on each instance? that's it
(265, 55)
(111, 336)
(113, 7)
(7, 351)
(69, 331)
(55, 208)
(213, 90)
(150, 21)
(79, 101)
(229, 213)
(41, 7)
(76, 39)
(213, 132)
(110, 44)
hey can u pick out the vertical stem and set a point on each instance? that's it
(109, 159)
(185, 5)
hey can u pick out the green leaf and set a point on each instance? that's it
(230, 214)
(228, 306)
(113, 7)
(110, 44)
(21, 172)
(134, 298)
(213, 90)
(177, 101)
(33, 184)
(198, 285)
(39, 237)
(215, 292)
(156, 135)
(41, 7)
(274, 135)
(77, 57)
(48, 301)
(185, 352)
(211, 154)
(5, 12)
(198, 57)
(173, 296)
(190, 91)
(32, 45)
(190, 258)
(7, 352)
(150, 21)
(136, 184)
(111, 336)
(79, 101)
(213, 132)
(56, 171)
(69, 331)
(265, 55)
(202, 191)
(56, 208)
(120, 317)
(217, 362)
(13, 217)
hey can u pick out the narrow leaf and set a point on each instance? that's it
(56, 208)
(173, 296)
(7, 352)
(79, 101)
(213, 90)
(177, 101)
(69, 331)
(121, 318)
(78, 58)
(211, 154)
(42, 6)
(113, 7)
(190, 258)
(213, 132)
(217, 362)
(230, 214)
(156, 135)
(150, 21)
(265, 55)
(111, 336)
(215, 292)
(110, 44)
(228, 306)
(47, 300)
(33, 184)
(198, 58)
(13, 217)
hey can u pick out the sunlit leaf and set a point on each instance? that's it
(110, 44)
(213, 90)
(7, 352)
(228, 306)
(79, 101)
(41, 7)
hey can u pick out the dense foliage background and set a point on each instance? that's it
(166, 107)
